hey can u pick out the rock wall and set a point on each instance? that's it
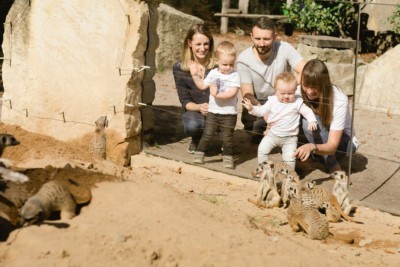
(379, 12)
(70, 62)
(379, 86)
(172, 28)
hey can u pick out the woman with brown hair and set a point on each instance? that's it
(198, 47)
(331, 108)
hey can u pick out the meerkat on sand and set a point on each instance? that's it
(97, 145)
(288, 182)
(341, 190)
(319, 196)
(264, 187)
(7, 140)
(306, 217)
(52, 196)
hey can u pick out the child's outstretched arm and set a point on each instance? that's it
(247, 104)
(312, 126)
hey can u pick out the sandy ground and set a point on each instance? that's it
(163, 212)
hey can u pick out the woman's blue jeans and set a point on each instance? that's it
(320, 136)
(193, 124)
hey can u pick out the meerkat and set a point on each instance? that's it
(7, 140)
(97, 145)
(273, 199)
(341, 190)
(288, 182)
(306, 217)
(281, 170)
(319, 196)
(264, 187)
(52, 196)
(13, 176)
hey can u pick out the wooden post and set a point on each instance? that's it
(225, 20)
(244, 6)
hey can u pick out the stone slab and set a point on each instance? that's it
(327, 41)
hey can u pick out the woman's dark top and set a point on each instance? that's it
(187, 89)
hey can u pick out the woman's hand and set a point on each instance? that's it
(303, 152)
(203, 109)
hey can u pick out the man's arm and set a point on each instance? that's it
(248, 92)
(298, 69)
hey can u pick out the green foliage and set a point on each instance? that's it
(394, 20)
(313, 17)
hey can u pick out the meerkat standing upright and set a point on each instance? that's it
(97, 145)
(341, 190)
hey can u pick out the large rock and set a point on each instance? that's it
(379, 88)
(379, 11)
(340, 63)
(71, 62)
(172, 28)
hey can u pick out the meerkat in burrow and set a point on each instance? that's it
(52, 196)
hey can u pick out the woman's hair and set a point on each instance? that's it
(225, 48)
(315, 75)
(187, 53)
(287, 78)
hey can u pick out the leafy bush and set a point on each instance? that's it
(394, 20)
(312, 17)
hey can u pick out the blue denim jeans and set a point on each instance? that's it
(320, 136)
(193, 124)
(227, 125)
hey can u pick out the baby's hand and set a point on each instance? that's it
(312, 126)
(247, 104)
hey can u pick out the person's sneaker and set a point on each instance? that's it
(192, 147)
(228, 162)
(334, 168)
(198, 157)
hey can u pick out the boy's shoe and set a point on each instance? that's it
(228, 161)
(198, 157)
(192, 147)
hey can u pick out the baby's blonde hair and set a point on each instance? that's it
(285, 77)
(225, 48)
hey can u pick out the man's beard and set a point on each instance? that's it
(264, 51)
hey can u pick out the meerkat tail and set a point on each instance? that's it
(13, 176)
(257, 203)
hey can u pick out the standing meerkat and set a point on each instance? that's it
(306, 217)
(267, 193)
(52, 196)
(341, 190)
(264, 186)
(97, 145)
(288, 182)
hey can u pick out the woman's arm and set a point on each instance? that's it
(329, 148)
